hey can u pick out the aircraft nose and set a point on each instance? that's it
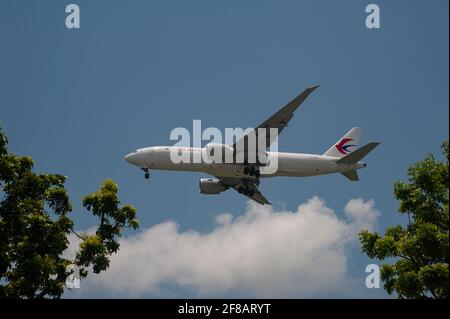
(131, 158)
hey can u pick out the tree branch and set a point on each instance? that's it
(78, 235)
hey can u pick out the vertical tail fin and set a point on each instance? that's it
(346, 144)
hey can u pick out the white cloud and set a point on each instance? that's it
(74, 243)
(224, 219)
(262, 253)
(363, 214)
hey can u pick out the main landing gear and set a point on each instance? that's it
(246, 191)
(147, 174)
(252, 171)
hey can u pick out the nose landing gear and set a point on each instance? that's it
(147, 174)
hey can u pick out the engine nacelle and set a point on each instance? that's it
(218, 153)
(211, 186)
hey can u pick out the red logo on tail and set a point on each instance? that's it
(342, 148)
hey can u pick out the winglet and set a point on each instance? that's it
(295, 103)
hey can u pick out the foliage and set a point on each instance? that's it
(35, 228)
(421, 249)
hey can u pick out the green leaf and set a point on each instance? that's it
(421, 249)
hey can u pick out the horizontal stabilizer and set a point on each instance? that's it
(351, 175)
(357, 155)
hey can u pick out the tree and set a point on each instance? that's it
(421, 249)
(35, 225)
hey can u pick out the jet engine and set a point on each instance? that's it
(211, 186)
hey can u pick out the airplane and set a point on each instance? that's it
(342, 157)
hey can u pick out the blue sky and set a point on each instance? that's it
(78, 100)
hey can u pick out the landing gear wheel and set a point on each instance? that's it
(246, 170)
(147, 174)
(252, 171)
(257, 174)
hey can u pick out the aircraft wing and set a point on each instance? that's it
(280, 119)
(247, 183)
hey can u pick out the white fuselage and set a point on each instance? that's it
(288, 164)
